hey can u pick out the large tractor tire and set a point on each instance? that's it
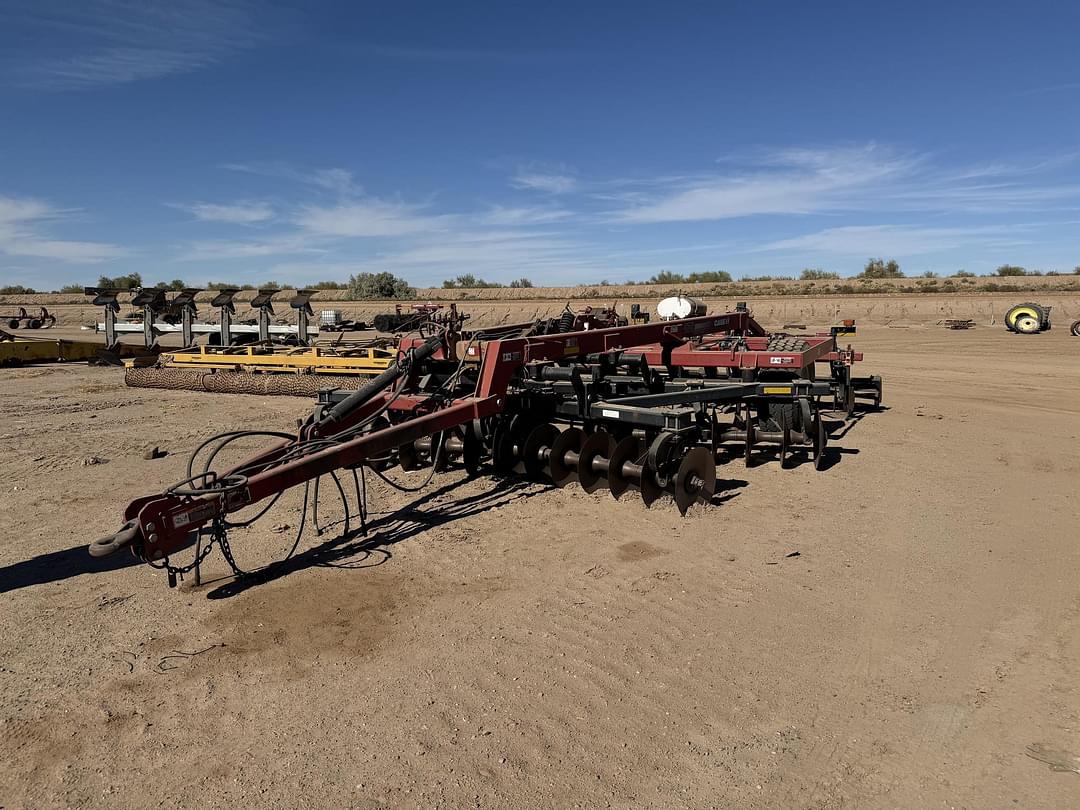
(1027, 319)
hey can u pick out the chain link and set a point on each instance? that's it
(221, 534)
(178, 571)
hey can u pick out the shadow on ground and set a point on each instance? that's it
(360, 549)
(60, 565)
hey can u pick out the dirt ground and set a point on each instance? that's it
(899, 630)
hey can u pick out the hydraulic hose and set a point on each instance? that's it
(392, 373)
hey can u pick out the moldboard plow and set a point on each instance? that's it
(648, 408)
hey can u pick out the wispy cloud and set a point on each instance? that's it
(1001, 194)
(799, 182)
(502, 215)
(224, 249)
(794, 181)
(237, 213)
(368, 218)
(1053, 88)
(492, 254)
(883, 201)
(339, 181)
(552, 183)
(315, 228)
(105, 42)
(22, 222)
(896, 240)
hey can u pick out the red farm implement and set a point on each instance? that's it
(648, 408)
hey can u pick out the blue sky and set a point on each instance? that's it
(565, 142)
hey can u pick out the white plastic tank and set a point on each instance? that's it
(679, 306)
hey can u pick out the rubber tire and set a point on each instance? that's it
(1074, 330)
(1036, 311)
(776, 411)
(1025, 324)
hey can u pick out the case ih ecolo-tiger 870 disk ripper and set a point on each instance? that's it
(635, 408)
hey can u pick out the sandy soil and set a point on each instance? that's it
(516, 646)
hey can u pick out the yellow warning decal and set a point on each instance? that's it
(774, 390)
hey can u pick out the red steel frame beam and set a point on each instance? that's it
(703, 357)
(165, 521)
(502, 358)
(820, 349)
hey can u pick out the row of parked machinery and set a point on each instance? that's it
(41, 319)
(156, 315)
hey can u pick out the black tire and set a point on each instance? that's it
(1074, 330)
(778, 414)
(1037, 312)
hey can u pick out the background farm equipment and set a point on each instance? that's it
(845, 328)
(1028, 319)
(419, 317)
(16, 350)
(41, 320)
(264, 369)
(273, 369)
(580, 320)
(160, 316)
(21, 350)
(330, 320)
(679, 306)
(648, 408)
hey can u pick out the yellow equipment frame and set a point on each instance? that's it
(15, 350)
(258, 359)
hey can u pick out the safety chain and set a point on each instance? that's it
(221, 535)
(176, 573)
(218, 534)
